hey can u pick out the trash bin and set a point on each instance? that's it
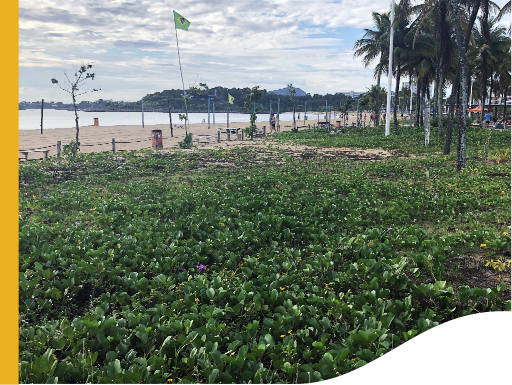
(338, 123)
(96, 122)
(156, 140)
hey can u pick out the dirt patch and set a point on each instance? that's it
(469, 269)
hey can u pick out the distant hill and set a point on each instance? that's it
(284, 91)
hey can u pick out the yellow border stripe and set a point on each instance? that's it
(9, 195)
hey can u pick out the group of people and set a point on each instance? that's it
(498, 123)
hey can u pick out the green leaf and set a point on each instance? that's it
(113, 368)
(213, 376)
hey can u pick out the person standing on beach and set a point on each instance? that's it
(272, 123)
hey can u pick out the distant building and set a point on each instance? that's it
(353, 94)
(406, 84)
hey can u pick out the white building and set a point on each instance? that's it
(406, 84)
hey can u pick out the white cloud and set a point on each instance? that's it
(234, 44)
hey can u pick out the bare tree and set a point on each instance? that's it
(73, 87)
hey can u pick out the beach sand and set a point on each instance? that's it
(134, 137)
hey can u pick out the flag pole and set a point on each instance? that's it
(390, 70)
(182, 82)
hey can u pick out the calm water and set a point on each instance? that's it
(31, 119)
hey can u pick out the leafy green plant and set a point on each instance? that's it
(502, 157)
(70, 149)
(186, 142)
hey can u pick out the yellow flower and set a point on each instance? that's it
(289, 331)
(170, 379)
(33, 196)
(79, 241)
(181, 299)
(503, 192)
(483, 245)
(282, 288)
(505, 233)
(222, 224)
(383, 298)
(197, 299)
(282, 335)
(191, 340)
(353, 359)
(326, 339)
(349, 214)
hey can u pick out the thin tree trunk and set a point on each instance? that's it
(449, 128)
(397, 88)
(294, 115)
(75, 149)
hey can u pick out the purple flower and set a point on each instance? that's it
(334, 189)
(483, 299)
(225, 184)
(479, 214)
(402, 190)
(389, 228)
(201, 267)
(214, 184)
(77, 223)
(436, 196)
(116, 195)
(45, 196)
(166, 246)
(435, 174)
(64, 192)
(137, 197)
(183, 270)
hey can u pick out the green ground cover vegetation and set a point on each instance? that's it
(254, 265)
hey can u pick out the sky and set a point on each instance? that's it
(132, 45)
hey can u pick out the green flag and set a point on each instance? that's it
(180, 22)
(230, 99)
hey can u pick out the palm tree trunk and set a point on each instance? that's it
(449, 128)
(397, 88)
(377, 106)
(483, 91)
(436, 87)
(418, 108)
(504, 100)
(439, 100)
(463, 64)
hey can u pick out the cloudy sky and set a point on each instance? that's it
(230, 43)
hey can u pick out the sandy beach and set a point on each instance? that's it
(134, 137)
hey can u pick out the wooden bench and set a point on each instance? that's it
(26, 152)
(207, 138)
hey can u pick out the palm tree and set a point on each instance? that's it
(490, 52)
(503, 11)
(373, 45)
